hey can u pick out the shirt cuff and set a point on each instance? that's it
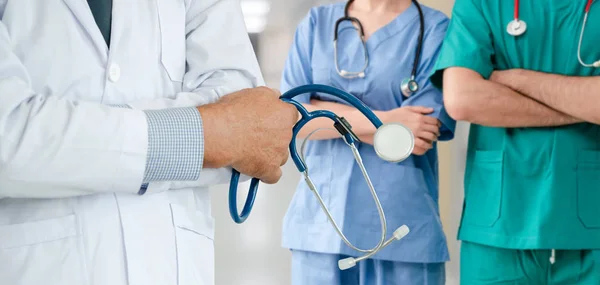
(175, 145)
(121, 106)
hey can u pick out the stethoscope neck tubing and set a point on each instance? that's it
(413, 74)
(588, 7)
(347, 8)
(585, 18)
(347, 17)
(516, 15)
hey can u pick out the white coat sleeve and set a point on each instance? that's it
(220, 61)
(52, 147)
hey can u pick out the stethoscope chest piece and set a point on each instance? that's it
(409, 86)
(516, 27)
(393, 142)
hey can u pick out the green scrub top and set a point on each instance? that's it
(528, 188)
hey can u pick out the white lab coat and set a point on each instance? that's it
(70, 165)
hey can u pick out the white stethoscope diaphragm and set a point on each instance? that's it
(393, 142)
(516, 27)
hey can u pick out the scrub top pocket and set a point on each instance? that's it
(484, 189)
(171, 14)
(588, 188)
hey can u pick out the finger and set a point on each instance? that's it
(428, 136)
(269, 91)
(284, 160)
(419, 109)
(272, 177)
(430, 128)
(420, 143)
(418, 151)
(293, 111)
(430, 120)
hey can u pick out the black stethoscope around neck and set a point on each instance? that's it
(408, 85)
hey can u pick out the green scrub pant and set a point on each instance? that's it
(484, 265)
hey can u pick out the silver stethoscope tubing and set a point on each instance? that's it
(517, 27)
(408, 85)
(596, 64)
(392, 142)
(383, 243)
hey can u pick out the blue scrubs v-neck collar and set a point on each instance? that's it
(390, 29)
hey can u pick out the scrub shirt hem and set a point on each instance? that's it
(417, 258)
(590, 241)
(435, 255)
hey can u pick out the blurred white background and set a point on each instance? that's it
(250, 253)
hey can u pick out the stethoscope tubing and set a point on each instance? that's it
(305, 118)
(346, 17)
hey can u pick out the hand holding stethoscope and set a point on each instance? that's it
(517, 27)
(393, 142)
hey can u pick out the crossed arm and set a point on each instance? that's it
(360, 124)
(520, 98)
(572, 95)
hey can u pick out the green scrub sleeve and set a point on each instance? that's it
(468, 42)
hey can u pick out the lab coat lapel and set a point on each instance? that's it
(83, 14)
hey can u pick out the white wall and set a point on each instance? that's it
(250, 254)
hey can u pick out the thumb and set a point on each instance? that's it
(420, 109)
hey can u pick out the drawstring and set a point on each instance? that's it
(553, 256)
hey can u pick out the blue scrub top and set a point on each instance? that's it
(408, 191)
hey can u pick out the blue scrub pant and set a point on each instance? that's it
(310, 268)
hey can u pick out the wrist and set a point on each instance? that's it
(382, 115)
(217, 153)
(515, 79)
(361, 125)
(511, 78)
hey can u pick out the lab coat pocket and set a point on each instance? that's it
(194, 233)
(319, 169)
(588, 188)
(171, 14)
(49, 250)
(484, 189)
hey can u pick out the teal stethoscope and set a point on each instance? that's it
(392, 142)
